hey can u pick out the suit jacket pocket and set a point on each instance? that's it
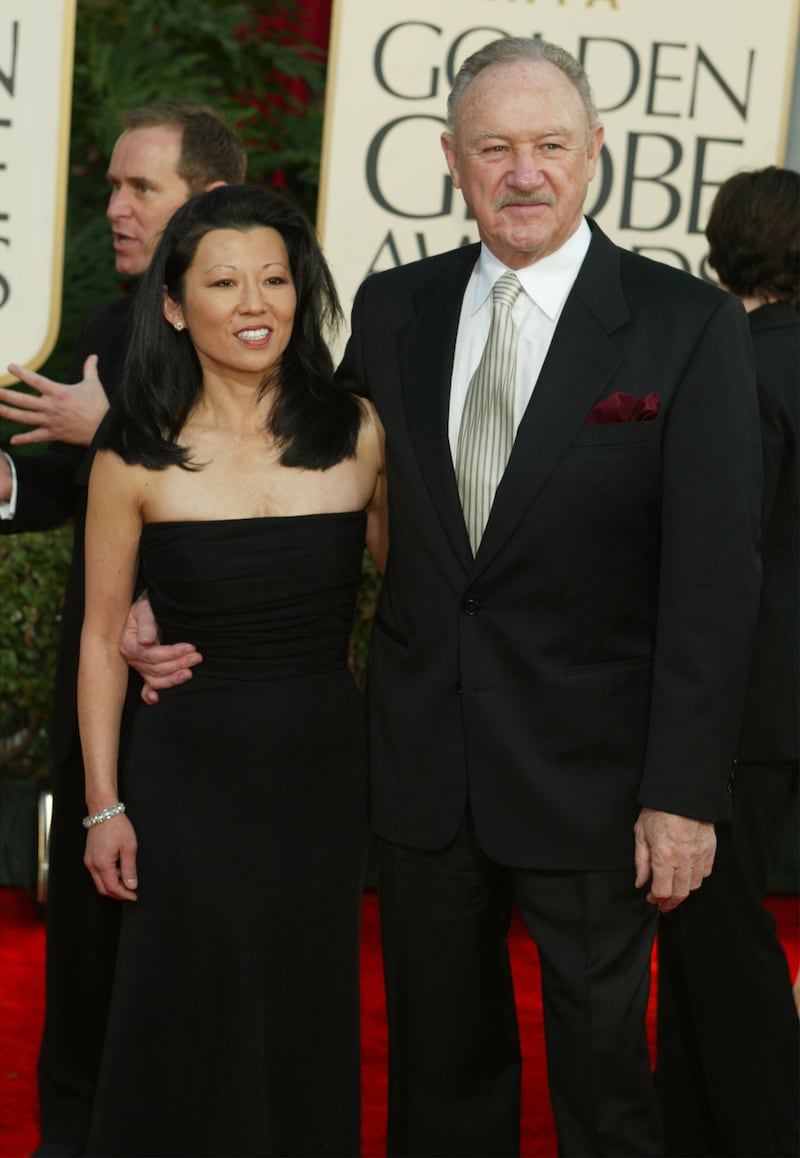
(610, 665)
(617, 433)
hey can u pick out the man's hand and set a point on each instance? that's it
(159, 665)
(58, 413)
(674, 853)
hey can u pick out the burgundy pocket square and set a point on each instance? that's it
(622, 407)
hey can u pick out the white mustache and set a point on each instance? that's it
(522, 199)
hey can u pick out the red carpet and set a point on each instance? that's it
(21, 999)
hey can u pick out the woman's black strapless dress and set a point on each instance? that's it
(234, 1025)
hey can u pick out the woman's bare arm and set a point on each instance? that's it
(113, 527)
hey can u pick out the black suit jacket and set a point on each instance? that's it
(592, 658)
(52, 488)
(770, 728)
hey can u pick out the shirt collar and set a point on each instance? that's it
(546, 282)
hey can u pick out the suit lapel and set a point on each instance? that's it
(579, 366)
(426, 347)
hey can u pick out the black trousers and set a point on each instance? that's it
(454, 1058)
(728, 1072)
(82, 933)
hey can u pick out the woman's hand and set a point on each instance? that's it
(111, 858)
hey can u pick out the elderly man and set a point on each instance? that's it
(166, 153)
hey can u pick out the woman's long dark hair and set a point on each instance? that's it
(314, 422)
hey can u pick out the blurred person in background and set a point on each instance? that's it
(728, 1070)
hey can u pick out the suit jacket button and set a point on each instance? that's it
(471, 606)
(458, 688)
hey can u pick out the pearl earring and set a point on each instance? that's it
(178, 326)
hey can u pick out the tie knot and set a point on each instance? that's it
(506, 290)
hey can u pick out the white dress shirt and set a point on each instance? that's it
(9, 508)
(546, 285)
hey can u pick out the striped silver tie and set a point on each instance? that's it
(487, 426)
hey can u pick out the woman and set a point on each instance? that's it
(243, 481)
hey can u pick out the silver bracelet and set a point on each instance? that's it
(106, 814)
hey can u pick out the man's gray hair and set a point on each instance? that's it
(514, 48)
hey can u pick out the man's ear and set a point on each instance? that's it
(450, 155)
(214, 185)
(171, 309)
(595, 146)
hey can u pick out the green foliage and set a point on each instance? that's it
(362, 625)
(245, 60)
(34, 574)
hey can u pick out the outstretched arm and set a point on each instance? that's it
(113, 527)
(57, 412)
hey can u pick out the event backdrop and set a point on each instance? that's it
(36, 44)
(689, 92)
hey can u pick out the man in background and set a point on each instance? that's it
(166, 153)
(728, 1070)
